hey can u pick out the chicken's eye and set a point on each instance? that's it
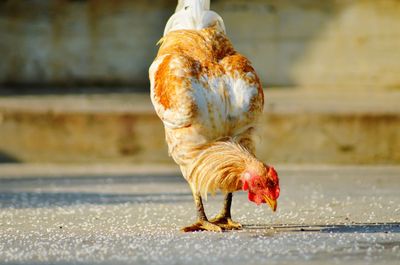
(257, 184)
(270, 183)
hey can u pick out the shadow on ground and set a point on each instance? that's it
(31, 192)
(20, 200)
(89, 180)
(7, 158)
(392, 227)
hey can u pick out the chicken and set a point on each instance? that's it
(209, 99)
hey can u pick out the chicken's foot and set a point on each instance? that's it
(224, 219)
(202, 223)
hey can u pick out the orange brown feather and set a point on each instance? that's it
(209, 98)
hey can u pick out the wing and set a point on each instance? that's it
(245, 86)
(171, 90)
(246, 98)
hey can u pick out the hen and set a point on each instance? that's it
(209, 98)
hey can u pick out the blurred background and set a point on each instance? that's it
(74, 79)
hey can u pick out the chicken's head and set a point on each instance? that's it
(263, 185)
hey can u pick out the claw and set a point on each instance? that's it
(226, 223)
(202, 225)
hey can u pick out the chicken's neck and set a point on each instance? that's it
(220, 165)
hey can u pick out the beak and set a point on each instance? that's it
(272, 203)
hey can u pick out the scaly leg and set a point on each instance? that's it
(224, 219)
(202, 223)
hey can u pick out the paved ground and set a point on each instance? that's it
(107, 215)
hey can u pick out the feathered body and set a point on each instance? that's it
(209, 98)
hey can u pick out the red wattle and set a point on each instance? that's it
(245, 185)
(254, 198)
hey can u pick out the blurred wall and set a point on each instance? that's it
(338, 43)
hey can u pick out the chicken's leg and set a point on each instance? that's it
(224, 219)
(202, 223)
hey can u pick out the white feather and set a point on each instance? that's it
(185, 3)
(224, 103)
(193, 14)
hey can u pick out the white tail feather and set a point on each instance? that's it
(182, 3)
(193, 14)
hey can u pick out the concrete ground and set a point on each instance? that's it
(129, 215)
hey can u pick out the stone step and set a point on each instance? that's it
(298, 126)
